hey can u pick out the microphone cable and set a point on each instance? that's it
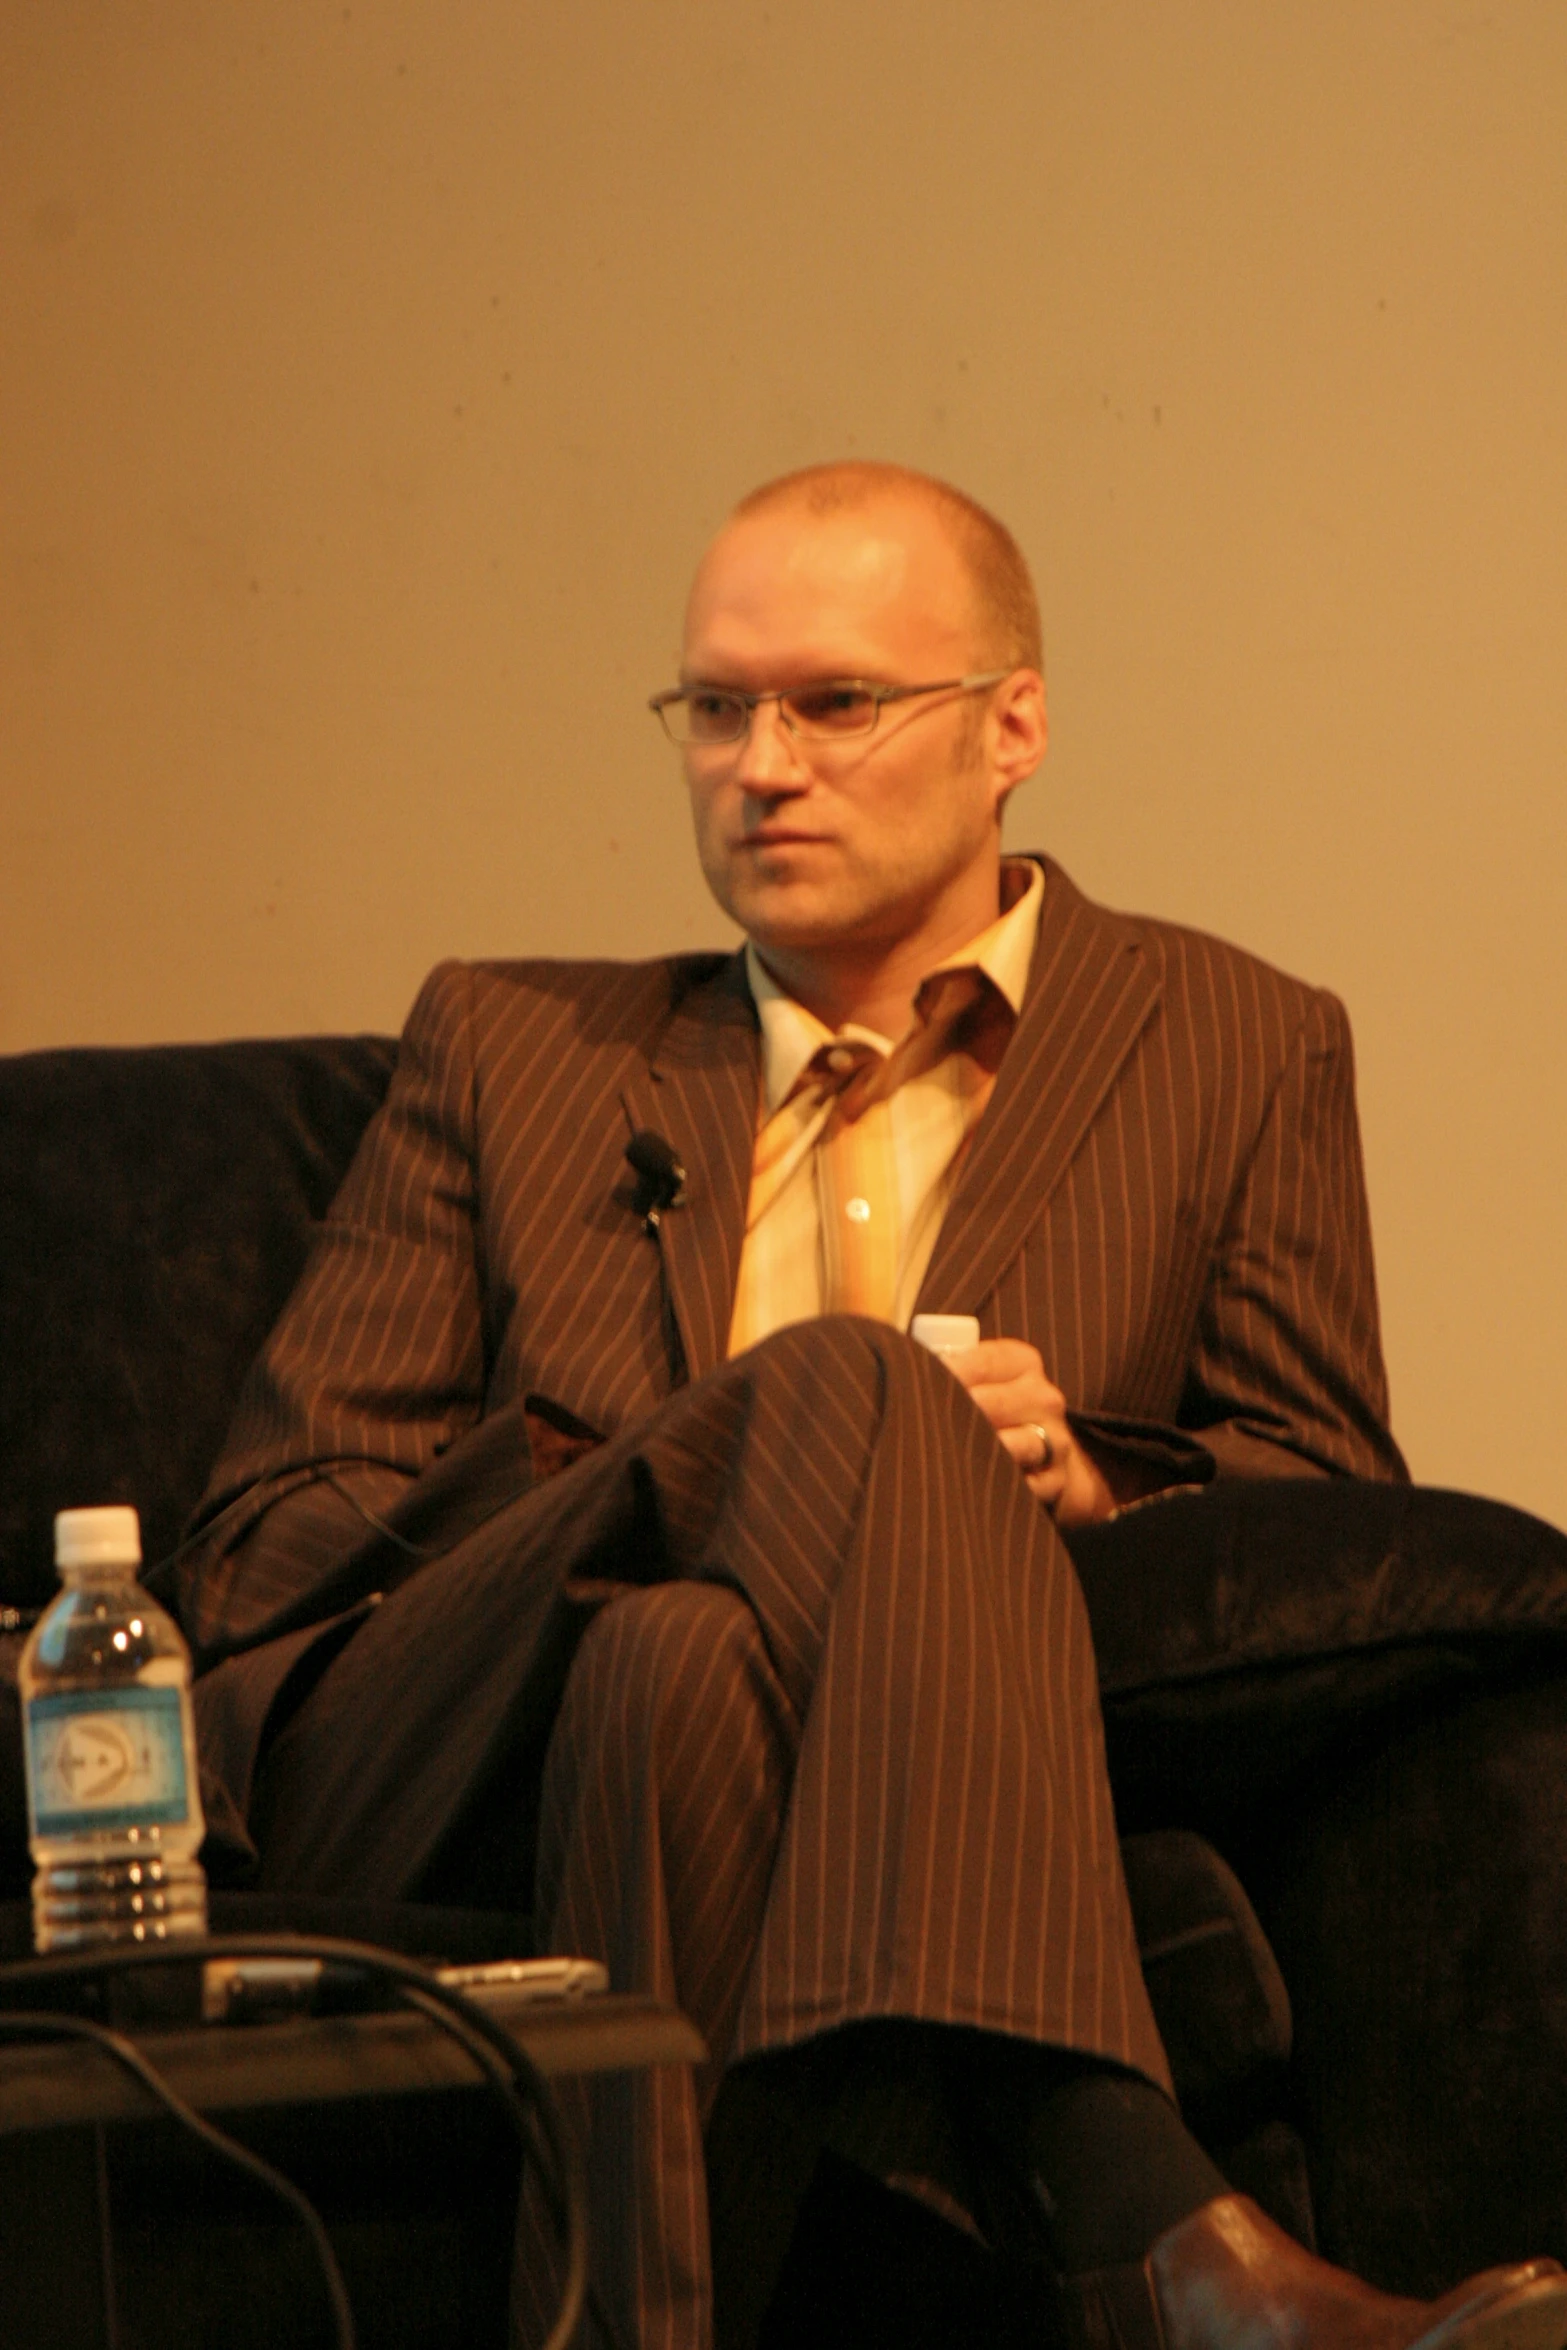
(522, 2089)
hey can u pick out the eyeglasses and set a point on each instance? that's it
(704, 714)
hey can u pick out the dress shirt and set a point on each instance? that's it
(860, 1138)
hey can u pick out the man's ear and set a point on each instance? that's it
(1016, 730)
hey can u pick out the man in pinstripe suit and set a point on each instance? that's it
(779, 1695)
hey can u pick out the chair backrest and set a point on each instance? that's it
(156, 1207)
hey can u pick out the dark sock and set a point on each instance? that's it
(1110, 2162)
(871, 2095)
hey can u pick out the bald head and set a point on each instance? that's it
(1005, 609)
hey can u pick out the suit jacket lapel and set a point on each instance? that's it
(1091, 990)
(699, 1092)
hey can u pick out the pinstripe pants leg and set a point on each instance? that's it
(664, 1793)
(900, 1806)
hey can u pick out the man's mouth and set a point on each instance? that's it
(782, 836)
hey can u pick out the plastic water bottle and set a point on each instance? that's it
(113, 1798)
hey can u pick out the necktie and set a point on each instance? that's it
(857, 1180)
(873, 1191)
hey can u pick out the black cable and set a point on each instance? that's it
(47, 2026)
(570, 2166)
(577, 2291)
(200, 1534)
(320, 1474)
(509, 2066)
(377, 1524)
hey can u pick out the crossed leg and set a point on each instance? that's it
(824, 1746)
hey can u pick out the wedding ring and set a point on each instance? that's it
(1047, 1451)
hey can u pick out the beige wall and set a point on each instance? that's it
(369, 376)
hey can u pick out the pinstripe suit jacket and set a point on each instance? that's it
(1165, 1196)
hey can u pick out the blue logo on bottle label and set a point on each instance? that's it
(105, 1759)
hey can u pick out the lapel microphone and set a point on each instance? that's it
(661, 1179)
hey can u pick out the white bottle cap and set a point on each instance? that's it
(97, 1538)
(945, 1334)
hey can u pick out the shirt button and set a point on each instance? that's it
(858, 1211)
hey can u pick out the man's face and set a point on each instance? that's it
(872, 842)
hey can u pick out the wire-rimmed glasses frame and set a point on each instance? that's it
(831, 710)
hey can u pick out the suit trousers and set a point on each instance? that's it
(789, 1695)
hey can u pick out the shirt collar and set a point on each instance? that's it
(1001, 952)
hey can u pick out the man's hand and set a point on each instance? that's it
(1007, 1380)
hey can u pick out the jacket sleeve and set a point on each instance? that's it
(377, 1364)
(1286, 1376)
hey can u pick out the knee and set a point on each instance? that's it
(831, 1339)
(652, 1657)
(844, 1364)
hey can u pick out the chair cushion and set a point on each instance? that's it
(1253, 1636)
(156, 1206)
(1218, 1996)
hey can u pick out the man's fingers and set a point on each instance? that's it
(1007, 1381)
(1005, 1378)
(1057, 1470)
(1024, 1403)
(1034, 1445)
(995, 1362)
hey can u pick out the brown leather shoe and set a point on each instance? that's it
(1228, 2279)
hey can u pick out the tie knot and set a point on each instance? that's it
(834, 1064)
(843, 1071)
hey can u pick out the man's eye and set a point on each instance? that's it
(713, 713)
(834, 708)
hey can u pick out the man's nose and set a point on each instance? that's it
(769, 759)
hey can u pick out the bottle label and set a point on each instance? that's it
(112, 1758)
